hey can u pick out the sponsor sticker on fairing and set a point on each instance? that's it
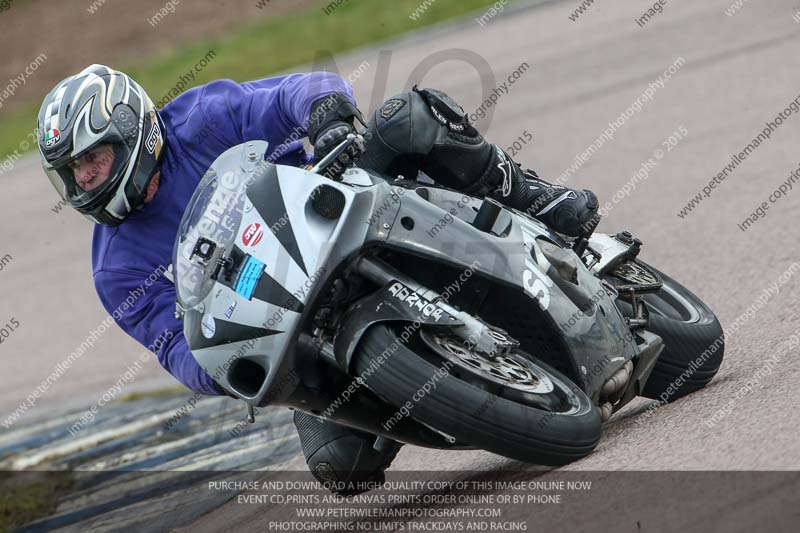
(248, 277)
(252, 234)
(208, 326)
(415, 300)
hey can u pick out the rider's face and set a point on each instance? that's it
(91, 169)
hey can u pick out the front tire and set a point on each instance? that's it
(471, 413)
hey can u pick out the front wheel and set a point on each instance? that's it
(694, 343)
(512, 405)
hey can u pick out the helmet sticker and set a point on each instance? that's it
(152, 139)
(52, 137)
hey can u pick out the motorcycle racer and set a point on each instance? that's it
(131, 169)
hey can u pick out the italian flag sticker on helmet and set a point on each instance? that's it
(52, 137)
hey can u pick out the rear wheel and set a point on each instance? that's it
(512, 405)
(693, 340)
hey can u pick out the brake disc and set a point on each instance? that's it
(508, 370)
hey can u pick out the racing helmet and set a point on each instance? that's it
(101, 106)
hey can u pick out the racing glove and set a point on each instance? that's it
(331, 120)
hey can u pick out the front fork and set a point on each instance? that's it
(485, 339)
(631, 281)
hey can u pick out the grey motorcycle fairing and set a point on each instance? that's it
(597, 337)
(302, 251)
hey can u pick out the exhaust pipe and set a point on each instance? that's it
(618, 380)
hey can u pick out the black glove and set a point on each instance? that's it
(332, 137)
(330, 122)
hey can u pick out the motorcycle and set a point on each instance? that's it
(424, 315)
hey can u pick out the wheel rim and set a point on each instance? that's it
(503, 370)
(513, 376)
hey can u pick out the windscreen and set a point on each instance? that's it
(207, 233)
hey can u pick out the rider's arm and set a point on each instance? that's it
(275, 109)
(145, 309)
(290, 99)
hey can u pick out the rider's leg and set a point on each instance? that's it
(340, 454)
(426, 130)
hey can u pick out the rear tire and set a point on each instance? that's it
(470, 413)
(693, 339)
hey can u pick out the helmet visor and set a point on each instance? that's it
(89, 175)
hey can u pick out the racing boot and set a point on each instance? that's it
(568, 211)
(345, 460)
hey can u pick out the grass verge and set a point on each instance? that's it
(269, 46)
(29, 496)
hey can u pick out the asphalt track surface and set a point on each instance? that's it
(738, 73)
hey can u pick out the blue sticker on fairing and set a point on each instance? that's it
(249, 276)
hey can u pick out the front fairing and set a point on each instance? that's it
(248, 258)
